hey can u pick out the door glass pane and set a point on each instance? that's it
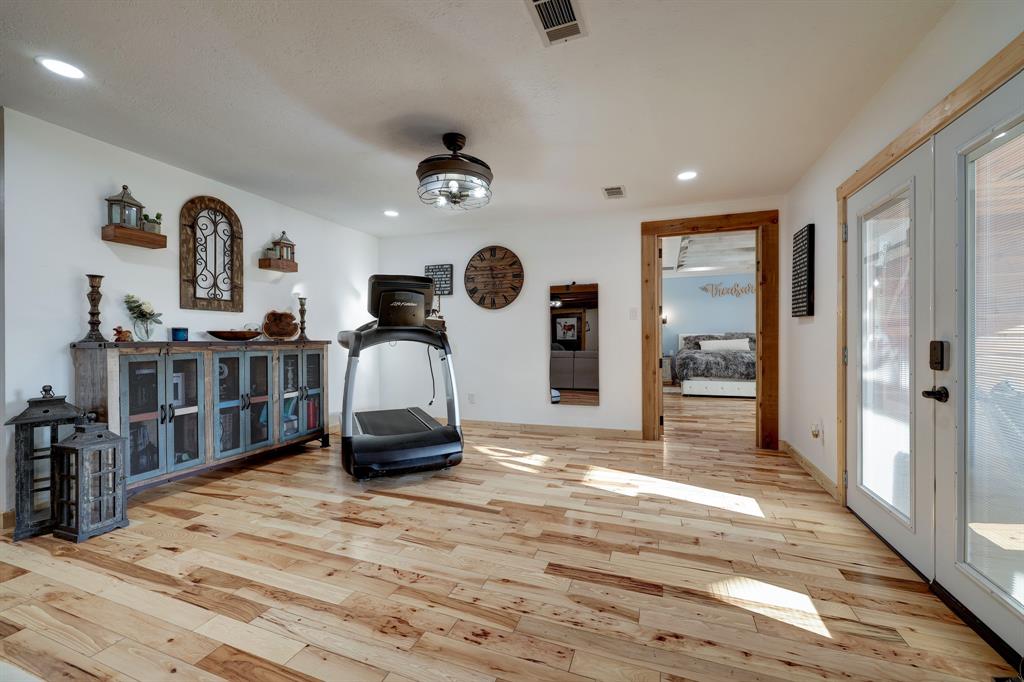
(290, 372)
(143, 393)
(313, 370)
(885, 354)
(259, 399)
(186, 438)
(228, 376)
(259, 375)
(312, 408)
(290, 416)
(230, 428)
(994, 480)
(185, 383)
(144, 455)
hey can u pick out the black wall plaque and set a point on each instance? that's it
(442, 276)
(803, 272)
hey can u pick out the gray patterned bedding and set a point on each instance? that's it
(736, 365)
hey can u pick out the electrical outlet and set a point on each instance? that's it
(471, 398)
(633, 313)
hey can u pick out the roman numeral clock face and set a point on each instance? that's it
(494, 277)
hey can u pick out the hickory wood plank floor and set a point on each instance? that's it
(539, 558)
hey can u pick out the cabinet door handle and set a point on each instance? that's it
(245, 401)
(170, 417)
(163, 414)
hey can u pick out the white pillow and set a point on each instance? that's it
(725, 344)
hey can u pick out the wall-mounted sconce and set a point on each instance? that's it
(664, 318)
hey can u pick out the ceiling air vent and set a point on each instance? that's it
(616, 192)
(556, 20)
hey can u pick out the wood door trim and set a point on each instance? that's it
(767, 225)
(992, 75)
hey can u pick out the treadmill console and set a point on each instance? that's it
(400, 300)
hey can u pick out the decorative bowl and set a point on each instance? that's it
(235, 335)
(280, 325)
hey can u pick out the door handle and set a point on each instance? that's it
(245, 401)
(163, 414)
(940, 394)
(170, 416)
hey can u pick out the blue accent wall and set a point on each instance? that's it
(692, 311)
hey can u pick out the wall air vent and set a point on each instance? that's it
(616, 192)
(556, 20)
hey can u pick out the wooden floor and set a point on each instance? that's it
(539, 558)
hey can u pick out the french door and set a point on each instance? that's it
(935, 340)
(980, 312)
(889, 284)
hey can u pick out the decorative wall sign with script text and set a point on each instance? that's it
(442, 276)
(738, 290)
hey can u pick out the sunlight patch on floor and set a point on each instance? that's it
(625, 483)
(778, 603)
(517, 460)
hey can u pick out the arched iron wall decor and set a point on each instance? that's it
(211, 256)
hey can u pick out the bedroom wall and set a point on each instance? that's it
(56, 182)
(501, 357)
(962, 41)
(692, 311)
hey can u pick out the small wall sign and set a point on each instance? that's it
(442, 276)
(738, 290)
(803, 272)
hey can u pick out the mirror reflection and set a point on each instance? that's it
(574, 344)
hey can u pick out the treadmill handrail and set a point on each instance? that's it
(367, 337)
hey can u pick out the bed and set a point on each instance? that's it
(729, 372)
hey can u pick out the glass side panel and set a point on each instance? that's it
(143, 388)
(259, 375)
(994, 481)
(144, 449)
(229, 378)
(313, 370)
(290, 416)
(185, 382)
(186, 438)
(230, 428)
(41, 473)
(312, 408)
(289, 372)
(886, 291)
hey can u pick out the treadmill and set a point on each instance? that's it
(404, 440)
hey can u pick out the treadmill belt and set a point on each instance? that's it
(395, 422)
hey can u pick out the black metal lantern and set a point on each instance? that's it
(125, 210)
(89, 483)
(36, 431)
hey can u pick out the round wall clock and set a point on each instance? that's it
(494, 277)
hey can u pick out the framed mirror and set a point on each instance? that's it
(211, 256)
(574, 368)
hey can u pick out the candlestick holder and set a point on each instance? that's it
(94, 297)
(302, 319)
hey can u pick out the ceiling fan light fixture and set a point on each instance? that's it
(455, 181)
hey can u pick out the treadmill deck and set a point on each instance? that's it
(395, 422)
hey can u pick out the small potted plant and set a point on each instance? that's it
(143, 316)
(152, 224)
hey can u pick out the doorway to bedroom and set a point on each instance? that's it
(710, 319)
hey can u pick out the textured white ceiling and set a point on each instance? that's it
(328, 106)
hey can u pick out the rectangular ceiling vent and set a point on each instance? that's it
(556, 20)
(616, 192)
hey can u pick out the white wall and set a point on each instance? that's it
(56, 182)
(964, 39)
(501, 357)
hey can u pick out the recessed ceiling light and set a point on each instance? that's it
(391, 213)
(61, 68)
(687, 175)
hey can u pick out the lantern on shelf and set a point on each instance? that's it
(89, 482)
(125, 210)
(283, 248)
(36, 431)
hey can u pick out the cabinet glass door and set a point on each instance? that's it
(258, 415)
(143, 414)
(185, 407)
(291, 380)
(228, 404)
(312, 395)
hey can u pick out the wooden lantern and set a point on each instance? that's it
(89, 480)
(284, 248)
(125, 210)
(280, 255)
(36, 432)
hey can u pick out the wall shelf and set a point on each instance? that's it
(278, 264)
(134, 237)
